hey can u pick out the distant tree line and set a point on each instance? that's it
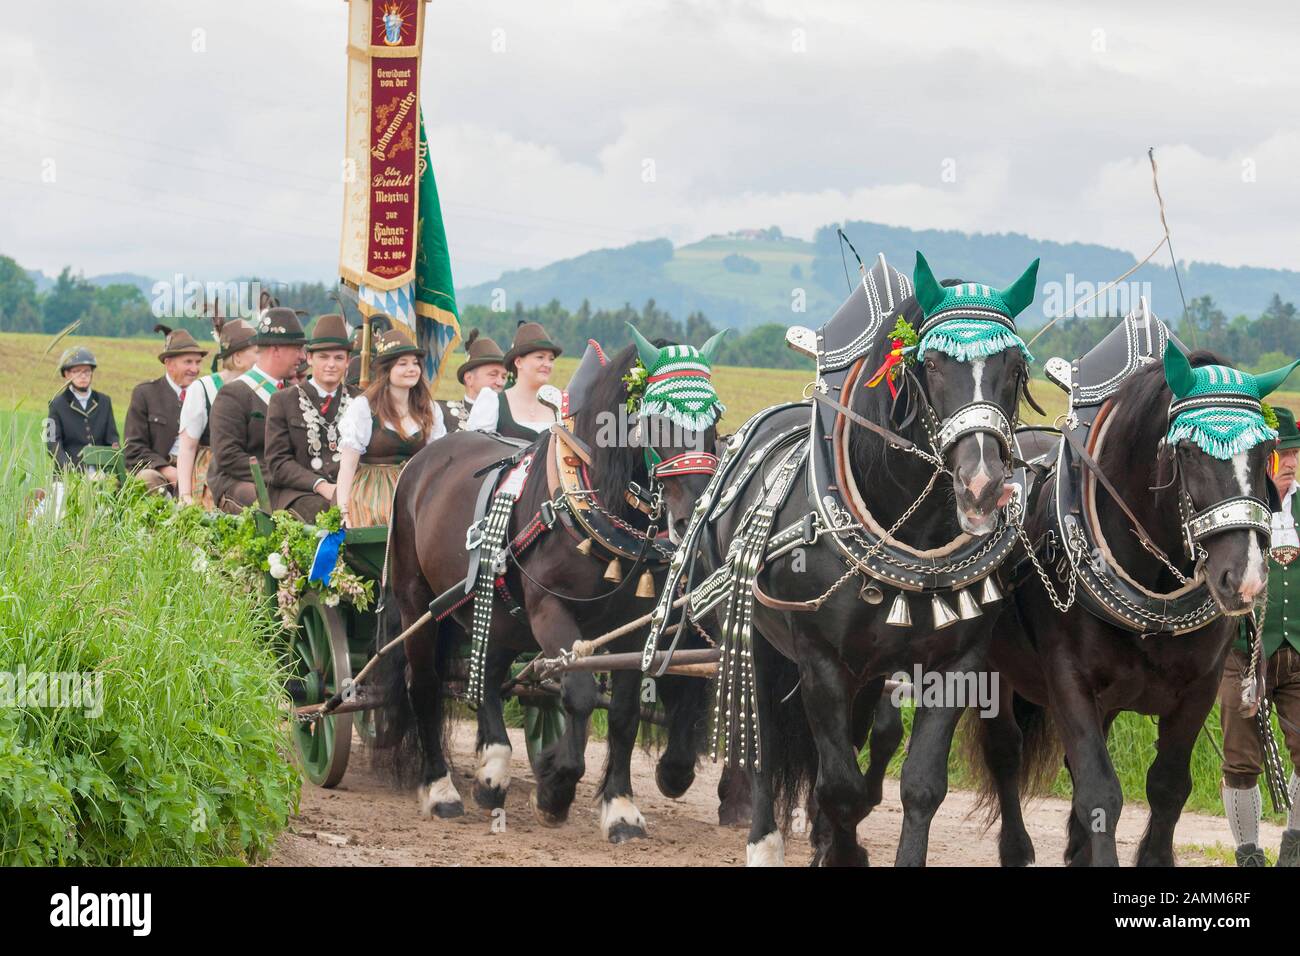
(1252, 344)
(125, 310)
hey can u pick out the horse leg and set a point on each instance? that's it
(492, 779)
(885, 727)
(437, 792)
(620, 819)
(840, 792)
(1169, 778)
(1002, 748)
(685, 701)
(735, 798)
(765, 845)
(1078, 848)
(925, 777)
(1098, 799)
(561, 766)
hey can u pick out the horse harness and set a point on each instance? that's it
(816, 448)
(1074, 543)
(572, 502)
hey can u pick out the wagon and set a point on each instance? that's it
(327, 646)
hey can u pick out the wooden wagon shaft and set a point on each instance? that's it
(632, 661)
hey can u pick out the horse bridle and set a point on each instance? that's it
(650, 500)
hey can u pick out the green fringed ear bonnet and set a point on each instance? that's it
(678, 382)
(1217, 408)
(970, 321)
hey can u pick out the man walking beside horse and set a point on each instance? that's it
(1243, 753)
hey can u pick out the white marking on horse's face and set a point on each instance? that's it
(673, 536)
(441, 791)
(981, 476)
(1255, 577)
(494, 766)
(619, 810)
(769, 851)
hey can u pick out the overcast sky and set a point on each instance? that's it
(545, 115)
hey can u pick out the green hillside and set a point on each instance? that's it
(741, 281)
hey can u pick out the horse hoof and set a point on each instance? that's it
(493, 777)
(734, 814)
(620, 820)
(440, 799)
(768, 851)
(489, 798)
(545, 817)
(674, 781)
(622, 832)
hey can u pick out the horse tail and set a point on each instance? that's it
(789, 749)
(1040, 754)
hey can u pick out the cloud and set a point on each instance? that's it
(547, 119)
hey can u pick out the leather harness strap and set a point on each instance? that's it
(1091, 464)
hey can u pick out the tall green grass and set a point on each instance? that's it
(189, 762)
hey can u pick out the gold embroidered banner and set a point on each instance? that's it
(381, 185)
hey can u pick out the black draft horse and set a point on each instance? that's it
(820, 675)
(565, 598)
(1074, 673)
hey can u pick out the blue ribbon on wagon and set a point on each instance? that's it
(327, 557)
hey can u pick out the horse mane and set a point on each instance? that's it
(1138, 414)
(613, 464)
(877, 405)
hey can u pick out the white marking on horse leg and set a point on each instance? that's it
(439, 793)
(619, 810)
(1254, 578)
(769, 851)
(494, 766)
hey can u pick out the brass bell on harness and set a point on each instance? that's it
(967, 607)
(944, 616)
(645, 585)
(900, 615)
(989, 593)
(584, 546)
(614, 572)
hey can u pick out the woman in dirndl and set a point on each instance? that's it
(237, 355)
(517, 412)
(382, 429)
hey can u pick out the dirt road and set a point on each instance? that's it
(364, 823)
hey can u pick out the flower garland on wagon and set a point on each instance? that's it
(234, 547)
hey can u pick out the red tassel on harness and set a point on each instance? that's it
(886, 371)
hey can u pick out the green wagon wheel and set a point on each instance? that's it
(318, 657)
(543, 726)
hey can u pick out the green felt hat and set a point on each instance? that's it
(1287, 434)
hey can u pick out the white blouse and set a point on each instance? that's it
(194, 410)
(355, 425)
(483, 417)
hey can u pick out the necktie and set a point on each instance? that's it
(279, 385)
(325, 405)
(182, 396)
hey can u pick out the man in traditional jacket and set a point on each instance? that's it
(79, 416)
(1279, 667)
(484, 369)
(302, 449)
(154, 415)
(237, 424)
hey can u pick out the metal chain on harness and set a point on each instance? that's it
(1013, 516)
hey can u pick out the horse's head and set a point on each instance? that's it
(1220, 445)
(676, 410)
(973, 367)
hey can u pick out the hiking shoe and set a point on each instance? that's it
(1250, 855)
(1289, 853)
